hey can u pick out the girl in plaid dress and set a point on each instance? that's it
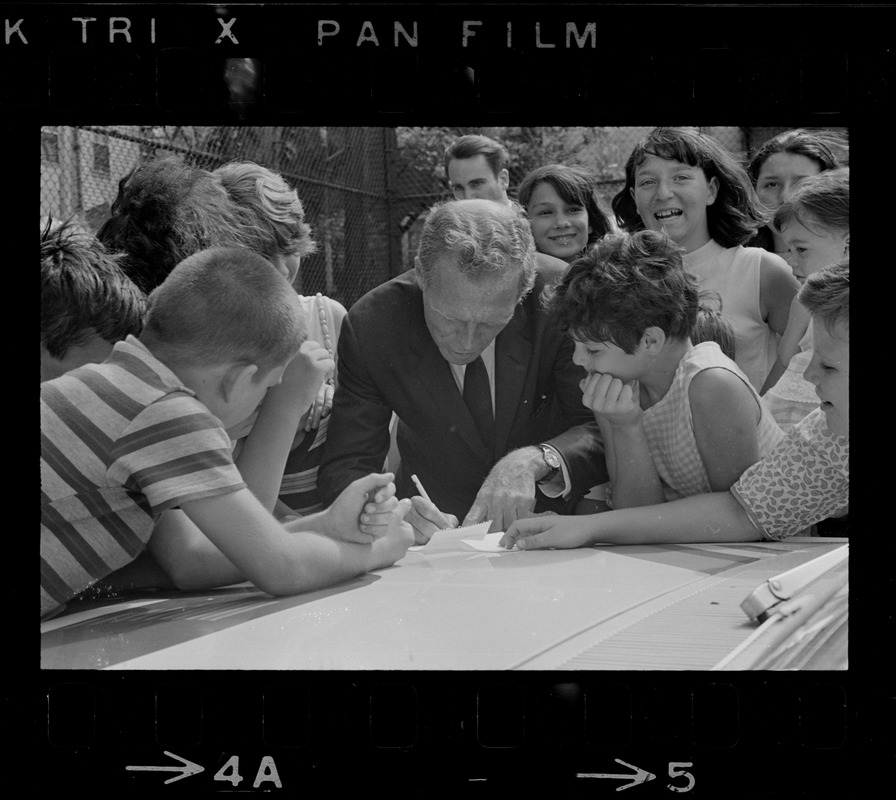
(678, 419)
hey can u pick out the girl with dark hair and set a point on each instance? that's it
(782, 162)
(687, 184)
(563, 210)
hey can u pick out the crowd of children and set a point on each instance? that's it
(186, 383)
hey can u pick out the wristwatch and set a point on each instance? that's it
(552, 461)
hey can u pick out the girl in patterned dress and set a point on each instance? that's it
(804, 480)
(677, 419)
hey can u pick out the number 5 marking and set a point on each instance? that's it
(675, 772)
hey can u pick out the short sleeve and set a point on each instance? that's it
(175, 451)
(802, 481)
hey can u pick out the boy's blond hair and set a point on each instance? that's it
(225, 306)
(826, 296)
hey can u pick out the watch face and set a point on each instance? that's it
(550, 458)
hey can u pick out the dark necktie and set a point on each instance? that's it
(478, 397)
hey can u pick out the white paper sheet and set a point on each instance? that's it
(488, 543)
(471, 533)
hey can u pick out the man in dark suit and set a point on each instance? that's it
(409, 346)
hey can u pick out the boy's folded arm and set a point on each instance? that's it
(144, 572)
(188, 556)
(278, 561)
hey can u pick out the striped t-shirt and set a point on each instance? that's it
(121, 442)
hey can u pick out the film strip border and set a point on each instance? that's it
(759, 736)
(391, 60)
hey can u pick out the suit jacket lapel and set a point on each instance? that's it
(513, 350)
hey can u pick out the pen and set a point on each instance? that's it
(420, 488)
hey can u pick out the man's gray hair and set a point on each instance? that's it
(489, 241)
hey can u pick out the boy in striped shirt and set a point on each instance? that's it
(142, 437)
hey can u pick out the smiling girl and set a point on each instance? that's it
(686, 184)
(563, 210)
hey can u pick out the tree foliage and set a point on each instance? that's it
(529, 147)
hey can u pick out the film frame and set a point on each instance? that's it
(483, 734)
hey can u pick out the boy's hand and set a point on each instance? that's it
(549, 531)
(425, 519)
(364, 510)
(617, 402)
(396, 540)
(305, 373)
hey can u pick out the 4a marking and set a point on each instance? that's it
(229, 772)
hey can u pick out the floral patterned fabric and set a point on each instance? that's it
(804, 480)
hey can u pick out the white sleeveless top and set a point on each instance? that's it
(669, 426)
(733, 272)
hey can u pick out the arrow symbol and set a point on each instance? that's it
(188, 768)
(639, 776)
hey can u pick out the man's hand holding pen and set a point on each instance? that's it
(425, 517)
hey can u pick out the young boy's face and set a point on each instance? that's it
(829, 372)
(247, 397)
(608, 359)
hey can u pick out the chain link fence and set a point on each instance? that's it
(365, 189)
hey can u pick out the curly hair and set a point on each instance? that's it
(273, 222)
(83, 289)
(490, 241)
(623, 285)
(736, 214)
(165, 211)
(574, 186)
